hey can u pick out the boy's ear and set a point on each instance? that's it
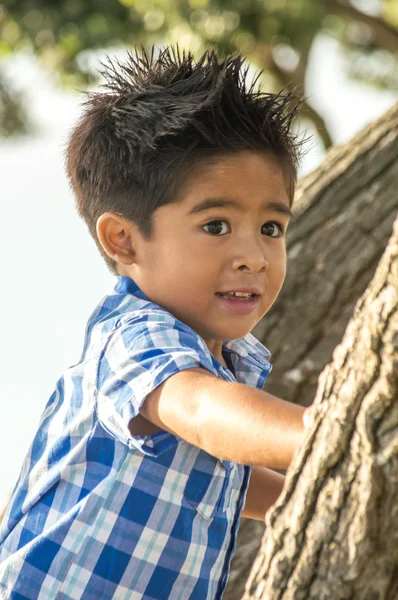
(115, 234)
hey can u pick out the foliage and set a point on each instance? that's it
(276, 35)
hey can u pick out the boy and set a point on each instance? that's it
(136, 479)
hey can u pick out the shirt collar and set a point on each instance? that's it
(125, 285)
(247, 349)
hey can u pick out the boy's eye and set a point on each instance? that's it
(272, 229)
(217, 228)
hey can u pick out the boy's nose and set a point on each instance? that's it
(251, 258)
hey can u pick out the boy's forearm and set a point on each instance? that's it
(231, 421)
(265, 487)
(249, 426)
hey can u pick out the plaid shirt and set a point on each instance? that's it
(99, 513)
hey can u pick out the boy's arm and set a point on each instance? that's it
(231, 421)
(265, 486)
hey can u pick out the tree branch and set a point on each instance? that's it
(294, 79)
(385, 35)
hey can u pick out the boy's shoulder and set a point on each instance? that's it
(129, 312)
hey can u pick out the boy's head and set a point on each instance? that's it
(168, 133)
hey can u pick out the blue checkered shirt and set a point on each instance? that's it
(98, 513)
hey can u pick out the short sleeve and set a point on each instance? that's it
(140, 355)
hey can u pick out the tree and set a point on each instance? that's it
(334, 531)
(344, 215)
(276, 35)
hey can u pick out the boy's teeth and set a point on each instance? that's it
(241, 294)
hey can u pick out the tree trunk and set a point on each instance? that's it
(333, 534)
(344, 213)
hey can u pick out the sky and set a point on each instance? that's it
(52, 276)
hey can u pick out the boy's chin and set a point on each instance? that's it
(234, 333)
(225, 332)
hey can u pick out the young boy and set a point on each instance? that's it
(135, 482)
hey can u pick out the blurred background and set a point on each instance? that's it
(342, 54)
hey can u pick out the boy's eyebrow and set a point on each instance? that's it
(279, 207)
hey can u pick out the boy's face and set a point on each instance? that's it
(196, 255)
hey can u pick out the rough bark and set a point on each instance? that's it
(344, 213)
(333, 533)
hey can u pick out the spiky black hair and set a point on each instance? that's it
(161, 114)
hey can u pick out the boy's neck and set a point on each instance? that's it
(215, 347)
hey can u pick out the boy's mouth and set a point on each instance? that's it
(239, 302)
